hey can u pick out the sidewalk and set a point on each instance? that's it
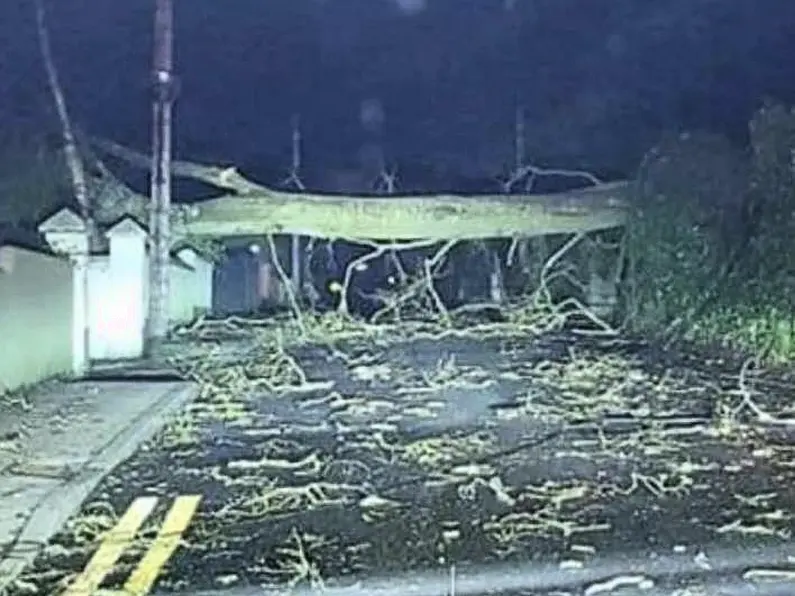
(56, 446)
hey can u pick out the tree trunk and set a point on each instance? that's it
(404, 218)
(71, 153)
(256, 210)
(76, 171)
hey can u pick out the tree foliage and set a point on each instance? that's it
(33, 180)
(711, 237)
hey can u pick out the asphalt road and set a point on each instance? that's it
(464, 465)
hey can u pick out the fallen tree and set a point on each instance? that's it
(254, 209)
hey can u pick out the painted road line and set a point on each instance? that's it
(111, 548)
(166, 542)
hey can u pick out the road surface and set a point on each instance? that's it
(466, 464)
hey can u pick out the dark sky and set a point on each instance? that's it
(600, 79)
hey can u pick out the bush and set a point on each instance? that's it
(711, 239)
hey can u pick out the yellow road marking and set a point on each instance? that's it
(111, 548)
(143, 578)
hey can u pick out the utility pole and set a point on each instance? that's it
(295, 241)
(164, 94)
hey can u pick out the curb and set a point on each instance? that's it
(63, 500)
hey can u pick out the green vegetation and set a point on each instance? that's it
(33, 180)
(711, 240)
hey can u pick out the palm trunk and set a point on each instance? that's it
(79, 184)
(71, 154)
